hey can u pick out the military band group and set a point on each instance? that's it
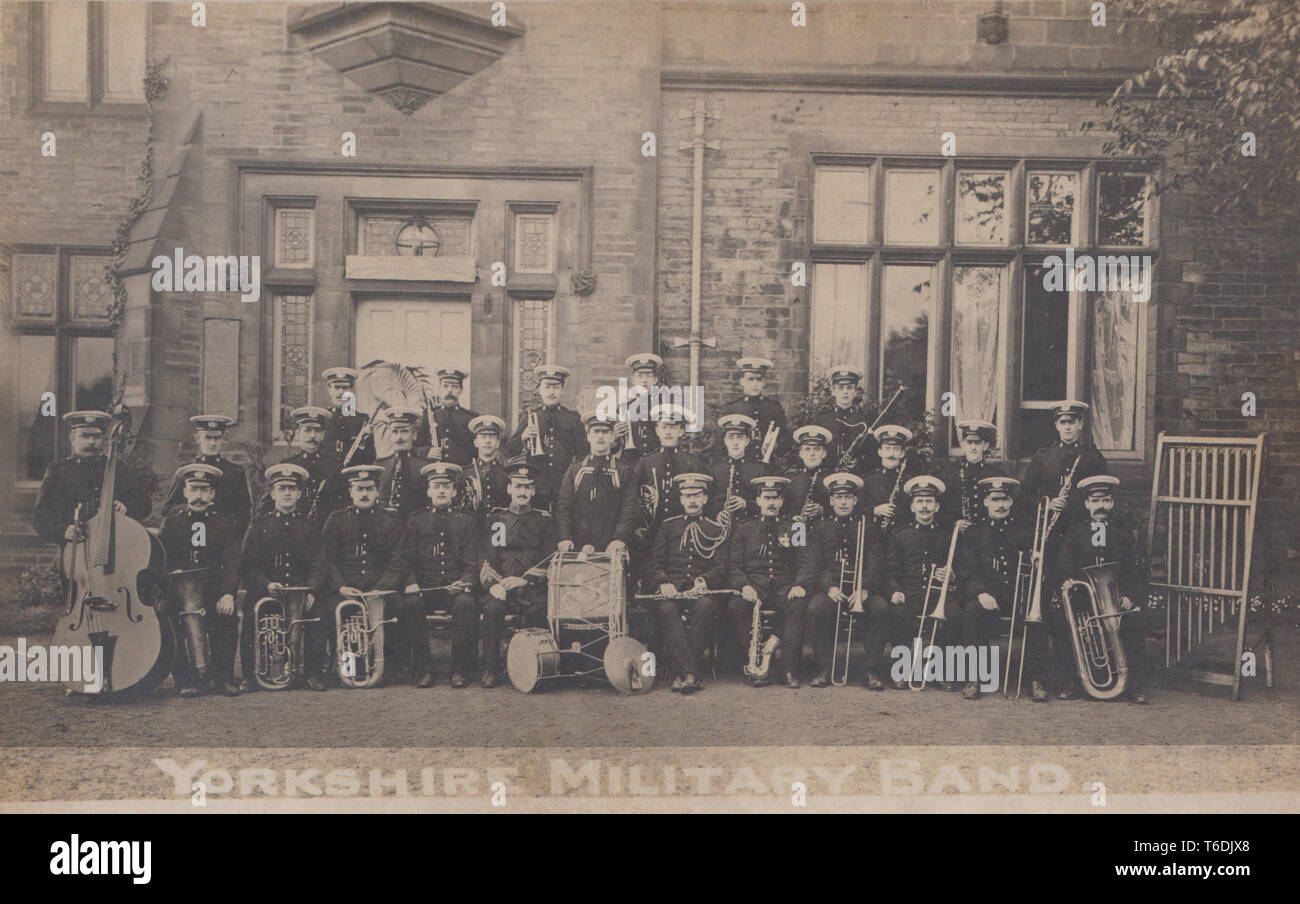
(463, 515)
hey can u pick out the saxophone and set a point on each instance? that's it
(761, 652)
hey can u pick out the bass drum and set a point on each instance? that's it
(532, 655)
(625, 661)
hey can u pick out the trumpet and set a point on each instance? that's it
(847, 609)
(359, 625)
(936, 616)
(1094, 635)
(1029, 587)
(761, 652)
(278, 642)
(769, 442)
(189, 590)
(535, 447)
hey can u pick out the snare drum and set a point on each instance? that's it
(532, 655)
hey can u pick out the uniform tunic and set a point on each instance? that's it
(231, 500)
(961, 482)
(846, 425)
(599, 502)
(878, 487)
(831, 561)
(491, 486)
(1047, 471)
(645, 440)
(219, 554)
(441, 547)
(563, 439)
(79, 481)
(764, 411)
(806, 485)
(761, 554)
(360, 549)
(657, 470)
(732, 478)
(277, 547)
(340, 432)
(454, 438)
(323, 480)
(402, 489)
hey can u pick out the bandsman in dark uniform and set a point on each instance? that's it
(345, 422)
(1072, 456)
(441, 551)
(599, 504)
(833, 559)
(882, 489)
(1098, 539)
(689, 554)
(558, 433)
(848, 424)
(324, 490)
(766, 567)
(401, 488)
(359, 550)
(78, 480)
(764, 410)
(805, 497)
(989, 553)
(215, 548)
(514, 573)
(644, 374)
(455, 439)
(276, 553)
(964, 499)
(656, 472)
(232, 499)
(733, 476)
(483, 481)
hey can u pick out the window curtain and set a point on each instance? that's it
(976, 300)
(1114, 370)
(839, 317)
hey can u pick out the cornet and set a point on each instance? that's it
(535, 443)
(360, 638)
(1098, 652)
(278, 641)
(189, 590)
(769, 442)
(918, 650)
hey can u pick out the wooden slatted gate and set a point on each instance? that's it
(1200, 534)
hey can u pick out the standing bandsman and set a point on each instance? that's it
(765, 568)
(558, 432)
(831, 564)
(1098, 539)
(514, 573)
(441, 551)
(733, 477)
(964, 500)
(214, 547)
(484, 479)
(455, 439)
(882, 489)
(689, 555)
(400, 483)
(276, 553)
(323, 491)
(345, 422)
(644, 369)
(1072, 457)
(78, 480)
(359, 550)
(848, 423)
(765, 411)
(805, 497)
(656, 472)
(599, 502)
(232, 499)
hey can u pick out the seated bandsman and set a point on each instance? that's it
(964, 499)
(1099, 539)
(848, 424)
(733, 477)
(831, 567)
(765, 568)
(276, 553)
(913, 553)
(989, 554)
(554, 430)
(400, 483)
(764, 410)
(882, 489)
(689, 554)
(514, 570)
(483, 482)
(232, 499)
(195, 537)
(635, 437)
(455, 438)
(324, 491)
(599, 505)
(343, 421)
(656, 472)
(359, 550)
(441, 551)
(805, 497)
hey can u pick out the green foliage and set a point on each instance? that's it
(37, 586)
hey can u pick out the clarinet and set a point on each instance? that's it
(315, 499)
(893, 496)
(1066, 486)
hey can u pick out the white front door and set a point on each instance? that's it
(416, 332)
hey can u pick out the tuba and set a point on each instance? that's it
(761, 652)
(278, 638)
(189, 590)
(1094, 633)
(359, 639)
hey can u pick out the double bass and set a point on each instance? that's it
(114, 580)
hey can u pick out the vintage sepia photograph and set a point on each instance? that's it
(673, 406)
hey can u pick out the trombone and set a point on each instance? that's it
(1028, 593)
(846, 609)
(936, 616)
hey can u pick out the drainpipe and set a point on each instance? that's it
(697, 145)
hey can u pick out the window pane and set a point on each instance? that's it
(66, 56)
(905, 336)
(124, 50)
(92, 372)
(912, 207)
(839, 316)
(976, 302)
(91, 296)
(842, 205)
(1121, 209)
(1046, 333)
(36, 376)
(1114, 370)
(295, 237)
(982, 208)
(1036, 432)
(534, 243)
(293, 364)
(35, 285)
(1050, 217)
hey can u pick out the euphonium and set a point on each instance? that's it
(189, 591)
(1094, 635)
(359, 626)
(938, 615)
(278, 638)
